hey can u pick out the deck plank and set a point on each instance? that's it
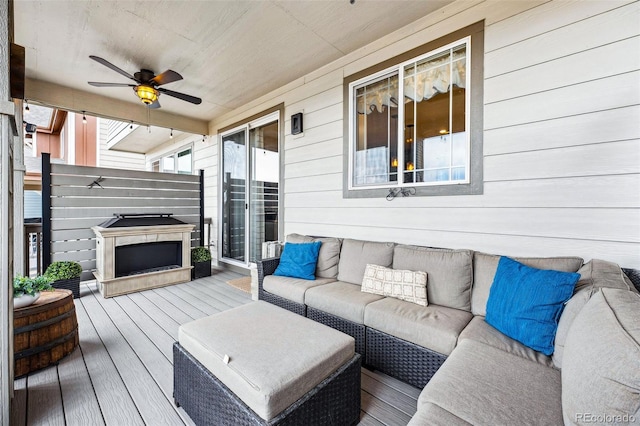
(179, 315)
(394, 383)
(202, 305)
(115, 402)
(124, 364)
(78, 397)
(44, 401)
(164, 320)
(213, 289)
(383, 411)
(153, 405)
(19, 403)
(388, 395)
(367, 420)
(151, 330)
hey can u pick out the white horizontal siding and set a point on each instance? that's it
(116, 159)
(561, 137)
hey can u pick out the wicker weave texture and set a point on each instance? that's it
(403, 360)
(357, 331)
(335, 401)
(296, 308)
(73, 285)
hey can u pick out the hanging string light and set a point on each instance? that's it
(171, 134)
(84, 118)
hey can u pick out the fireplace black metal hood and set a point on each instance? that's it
(124, 220)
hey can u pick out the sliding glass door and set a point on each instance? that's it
(250, 182)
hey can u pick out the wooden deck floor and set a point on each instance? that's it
(122, 373)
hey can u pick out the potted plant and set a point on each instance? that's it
(66, 275)
(201, 262)
(26, 290)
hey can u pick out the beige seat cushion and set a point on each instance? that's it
(485, 266)
(328, 257)
(480, 331)
(291, 288)
(594, 275)
(355, 254)
(341, 299)
(483, 385)
(433, 327)
(601, 363)
(449, 273)
(275, 356)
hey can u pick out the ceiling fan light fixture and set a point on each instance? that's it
(147, 94)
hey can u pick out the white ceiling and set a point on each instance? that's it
(229, 52)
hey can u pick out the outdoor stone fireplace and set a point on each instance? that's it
(141, 251)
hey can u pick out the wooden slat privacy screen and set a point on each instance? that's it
(76, 206)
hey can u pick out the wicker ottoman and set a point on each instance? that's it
(259, 364)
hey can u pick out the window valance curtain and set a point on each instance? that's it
(422, 80)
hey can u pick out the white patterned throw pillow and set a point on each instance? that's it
(410, 286)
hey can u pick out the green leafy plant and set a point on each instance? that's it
(200, 254)
(30, 286)
(63, 270)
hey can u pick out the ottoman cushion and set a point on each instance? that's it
(274, 356)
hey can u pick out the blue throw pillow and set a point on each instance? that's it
(299, 260)
(525, 303)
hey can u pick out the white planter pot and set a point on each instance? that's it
(24, 300)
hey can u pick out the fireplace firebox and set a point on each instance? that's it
(139, 252)
(136, 259)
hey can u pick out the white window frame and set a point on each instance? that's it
(399, 71)
(173, 153)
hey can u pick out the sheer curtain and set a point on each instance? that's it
(423, 80)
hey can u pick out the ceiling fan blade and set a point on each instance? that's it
(182, 96)
(113, 67)
(169, 76)
(155, 105)
(99, 84)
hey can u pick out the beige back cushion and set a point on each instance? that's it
(485, 266)
(356, 254)
(329, 256)
(601, 367)
(594, 274)
(449, 273)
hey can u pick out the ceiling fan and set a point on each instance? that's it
(147, 83)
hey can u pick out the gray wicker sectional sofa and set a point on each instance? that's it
(471, 372)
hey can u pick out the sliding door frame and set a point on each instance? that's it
(271, 115)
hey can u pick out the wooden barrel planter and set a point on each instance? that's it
(44, 332)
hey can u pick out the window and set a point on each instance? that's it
(180, 162)
(418, 122)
